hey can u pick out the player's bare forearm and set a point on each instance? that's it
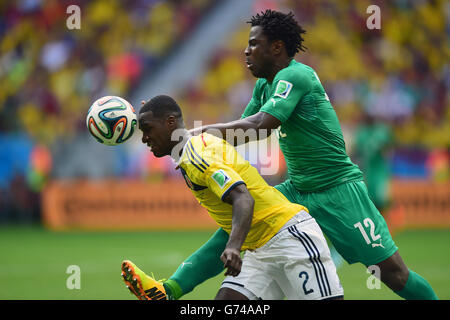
(243, 205)
(255, 127)
(241, 223)
(233, 132)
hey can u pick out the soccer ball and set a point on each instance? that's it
(111, 120)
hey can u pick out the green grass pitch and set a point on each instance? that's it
(34, 262)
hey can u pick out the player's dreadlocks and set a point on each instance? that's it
(280, 26)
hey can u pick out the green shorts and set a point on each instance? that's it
(349, 219)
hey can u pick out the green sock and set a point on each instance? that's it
(202, 265)
(173, 289)
(417, 288)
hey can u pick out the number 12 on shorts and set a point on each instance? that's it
(369, 223)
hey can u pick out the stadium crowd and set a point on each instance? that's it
(398, 75)
(50, 74)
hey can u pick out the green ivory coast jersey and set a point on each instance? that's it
(310, 134)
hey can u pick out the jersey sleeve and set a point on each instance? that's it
(255, 103)
(222, 179)
(289, 89)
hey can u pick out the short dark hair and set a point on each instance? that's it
(280, 26)
(162, 106)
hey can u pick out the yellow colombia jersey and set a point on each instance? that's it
(212, 168)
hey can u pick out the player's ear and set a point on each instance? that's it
(277, 46)
(171, 122)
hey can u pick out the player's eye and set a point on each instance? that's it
(144, 127)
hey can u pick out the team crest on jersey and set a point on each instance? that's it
(283, 89)
(221, 178)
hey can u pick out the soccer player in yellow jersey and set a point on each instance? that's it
(286, 254)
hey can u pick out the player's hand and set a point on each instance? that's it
(232, 261)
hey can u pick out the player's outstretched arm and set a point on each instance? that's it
(261, 123)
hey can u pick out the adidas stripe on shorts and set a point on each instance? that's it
(295, 264)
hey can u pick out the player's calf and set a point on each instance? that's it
(394, 272)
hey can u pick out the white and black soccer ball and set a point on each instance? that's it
(111, 120)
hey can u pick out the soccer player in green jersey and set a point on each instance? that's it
(288, 96)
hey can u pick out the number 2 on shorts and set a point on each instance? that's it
(305, 290)
(367, 223)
